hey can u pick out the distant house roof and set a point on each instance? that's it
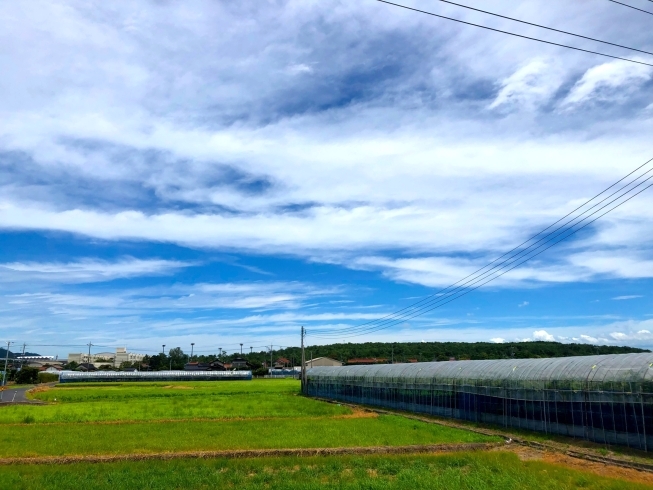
(86, 366)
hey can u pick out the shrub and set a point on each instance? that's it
(48, 377)
(27, 375)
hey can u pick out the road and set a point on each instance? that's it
(15, 395)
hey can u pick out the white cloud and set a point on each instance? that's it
(543, 335)
(521, 305)
(611, 80)
(89, 270)
(630, 296)
(497, 340)
(531, 85)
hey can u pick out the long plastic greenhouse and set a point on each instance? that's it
(606, 399)
(119, 376)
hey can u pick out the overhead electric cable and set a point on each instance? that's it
(505, 272)
(394, 317)
(475, 276)
(514, 34)
(430, 306)
(544, 27)
(631, 7)
(439, 293)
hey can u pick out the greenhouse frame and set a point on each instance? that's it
(606, 399)
(122, 376)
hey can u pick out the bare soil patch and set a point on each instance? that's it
(602, 469)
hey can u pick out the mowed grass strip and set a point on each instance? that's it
(166, 401)
(87, 392)
(155, 437)
(451, 472)
(276, 405)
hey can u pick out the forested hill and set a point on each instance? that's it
(441, 351)
(13, 355)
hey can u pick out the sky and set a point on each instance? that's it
(224, 172)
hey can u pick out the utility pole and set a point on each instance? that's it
(22, 361)
(241, 349)
(250, 350)
(4, 374)
(164, 349)
(271, 346)
(192, 345)
(88, 360)
(303, 372)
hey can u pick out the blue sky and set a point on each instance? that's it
(225, 172)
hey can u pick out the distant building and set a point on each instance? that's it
(196, 366)
(114, 359)
(36, 358)
(322, 361)
(240, 363)
(281, 363)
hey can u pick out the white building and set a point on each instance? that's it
(114, 359)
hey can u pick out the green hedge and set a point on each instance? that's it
(48, 377)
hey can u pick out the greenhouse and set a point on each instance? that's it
(121, 376)
(607, 399)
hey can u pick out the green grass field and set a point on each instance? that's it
(470, 471)
(140, 419)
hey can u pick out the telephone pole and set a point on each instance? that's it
(4, 374)
(241, 349)
(250, 350)
(192, 346)
(303, 371)
(88, 359)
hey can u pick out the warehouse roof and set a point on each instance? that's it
(606, 368)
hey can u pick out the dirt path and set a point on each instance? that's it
(255, 453)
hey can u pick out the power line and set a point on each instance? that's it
(515, 34)
(545, 27)
(631, 7)
(422, 310)
(474, 275)
(427, 302)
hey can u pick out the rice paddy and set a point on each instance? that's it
(136, 421)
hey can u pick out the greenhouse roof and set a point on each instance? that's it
(607, 368)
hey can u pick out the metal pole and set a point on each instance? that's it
(4, 375)
(241, 349)
(88, 360)
(303, 372)
(192, 346)
(250, 350)
(164, 349)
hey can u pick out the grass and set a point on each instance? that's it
(29, 440)
(165, 401)
(144, 418)
(451, 472)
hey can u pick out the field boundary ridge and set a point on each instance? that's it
(254, 453)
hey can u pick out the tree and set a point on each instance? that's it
(72, 365)
(178, 358)
(27, 376)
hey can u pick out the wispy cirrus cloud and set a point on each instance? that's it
(89, 270)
